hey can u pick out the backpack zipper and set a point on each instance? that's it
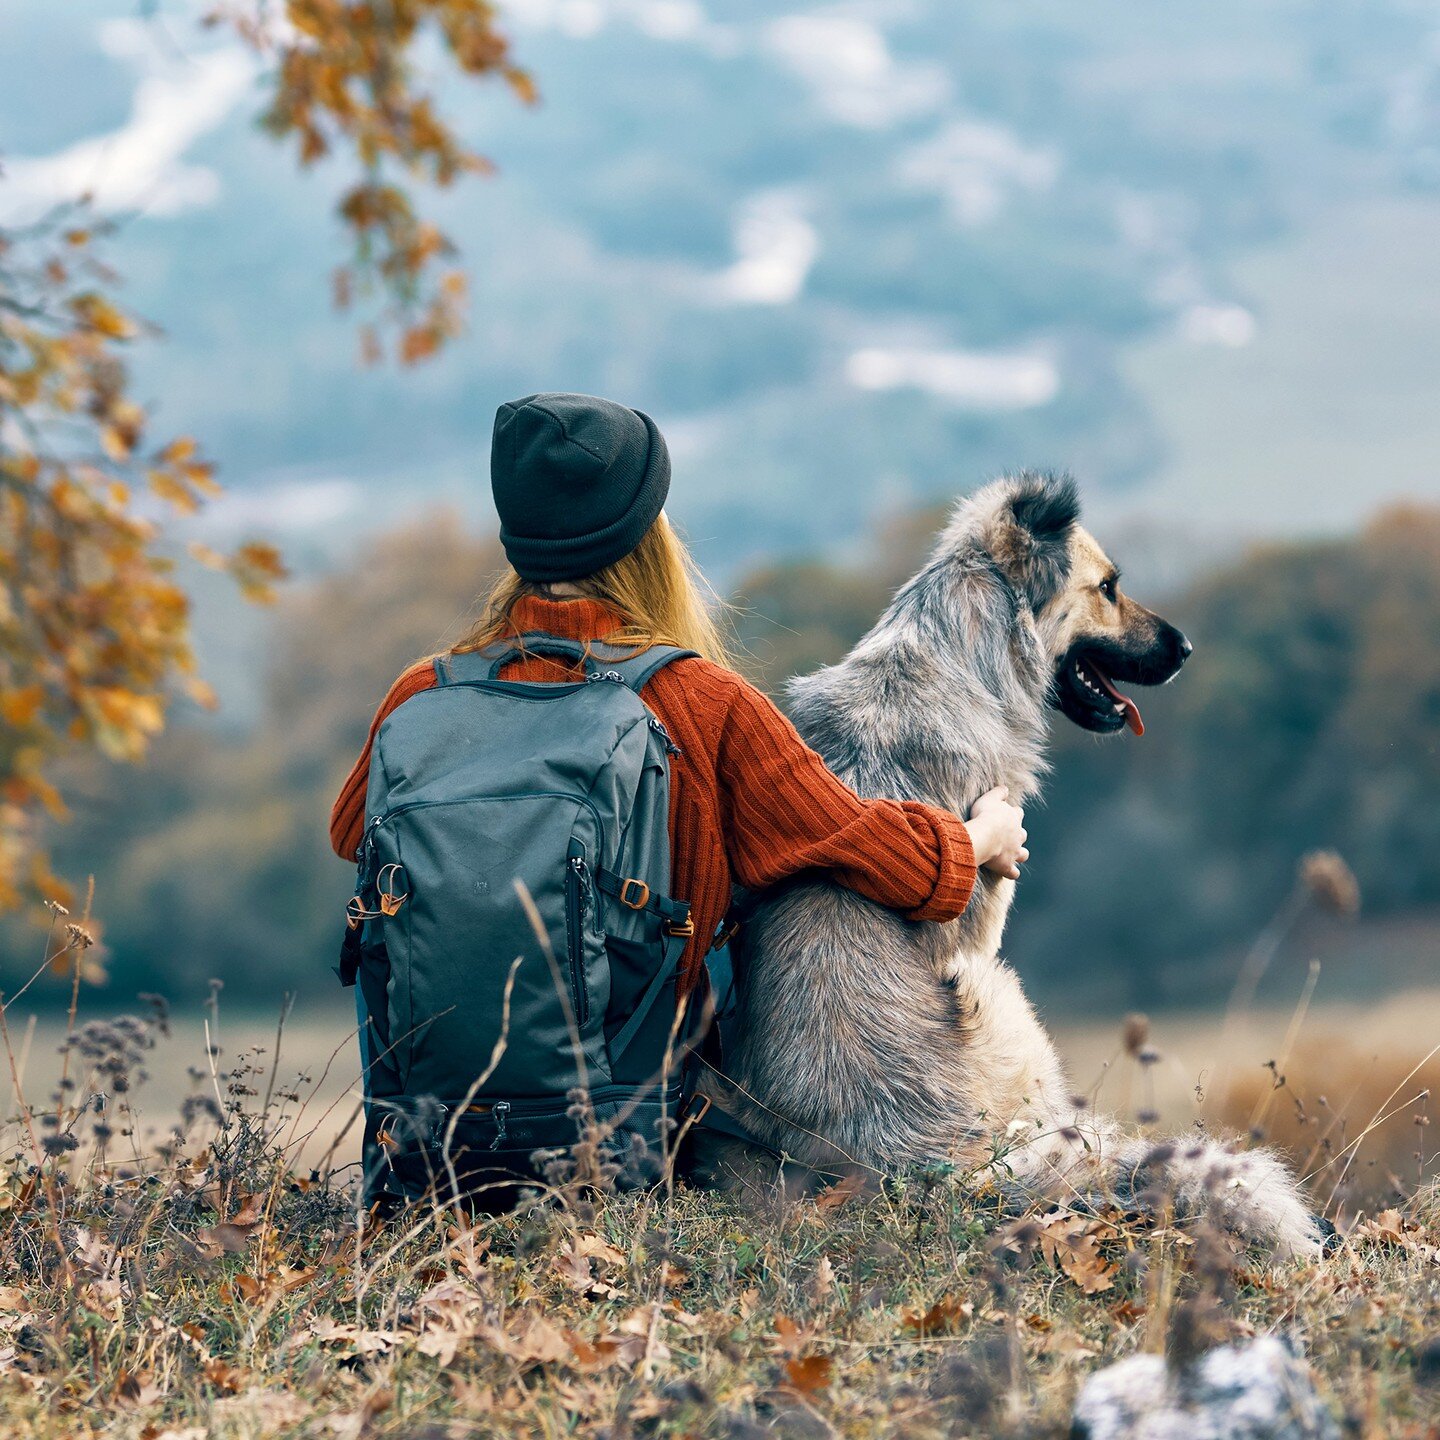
(399, 810)
(575, 934)
(499, 1110)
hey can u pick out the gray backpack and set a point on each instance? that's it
(512, 931)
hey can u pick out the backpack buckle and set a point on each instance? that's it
(729, 929)
(629, 889)
(683, 928)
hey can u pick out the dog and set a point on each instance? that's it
(866, 1040)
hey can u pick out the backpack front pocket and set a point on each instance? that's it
(491, 964)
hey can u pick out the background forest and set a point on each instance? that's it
(854, 258)
(1310, 718)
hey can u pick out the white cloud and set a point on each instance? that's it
(970, 379)
(677, 21)
(976, 166)
(848, 66)
(775, 246)
(292, 505)
(1230, 325)
(669, 19)
(179, 99)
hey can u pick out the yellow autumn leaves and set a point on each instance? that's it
(346, 80)
(94, 624)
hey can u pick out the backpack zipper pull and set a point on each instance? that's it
(671, 748)
(501, 1110)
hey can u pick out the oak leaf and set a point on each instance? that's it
(946, 1315)
(841, 1193)
(808, 1374)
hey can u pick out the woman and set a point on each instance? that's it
(579, 485)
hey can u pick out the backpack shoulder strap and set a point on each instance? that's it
(486, 663)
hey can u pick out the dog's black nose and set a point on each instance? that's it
(1185, 647)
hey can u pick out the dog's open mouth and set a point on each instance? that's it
(1087, 673)
(1084, 686)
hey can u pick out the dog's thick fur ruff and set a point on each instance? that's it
(866, 1039)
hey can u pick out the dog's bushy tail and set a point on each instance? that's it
(1252, 1193)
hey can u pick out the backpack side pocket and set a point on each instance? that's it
(637, 1052)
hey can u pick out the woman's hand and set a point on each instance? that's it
(997, 833)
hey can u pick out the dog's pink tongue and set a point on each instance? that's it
(1132, 710)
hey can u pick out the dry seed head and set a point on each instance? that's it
(1330, 881)
(1134, 1033)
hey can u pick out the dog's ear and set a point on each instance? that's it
(1030, 533)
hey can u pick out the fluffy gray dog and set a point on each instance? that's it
(868, 1040)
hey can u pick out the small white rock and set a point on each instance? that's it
(1259, 1390)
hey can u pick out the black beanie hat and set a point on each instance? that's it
(577, 482)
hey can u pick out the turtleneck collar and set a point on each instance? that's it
(577, 619)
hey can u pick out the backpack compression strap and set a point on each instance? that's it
(673, 914)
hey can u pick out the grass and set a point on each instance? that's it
(203, 1285)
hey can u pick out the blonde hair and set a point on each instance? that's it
(657, 587)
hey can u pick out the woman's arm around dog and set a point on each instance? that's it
(787, 813)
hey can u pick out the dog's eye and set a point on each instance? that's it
(1107, 589)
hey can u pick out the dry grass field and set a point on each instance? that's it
(218, 1282)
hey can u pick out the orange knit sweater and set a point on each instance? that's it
(749, 800)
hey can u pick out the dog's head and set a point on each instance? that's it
(1094, 635)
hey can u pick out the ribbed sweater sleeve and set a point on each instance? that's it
(784, 812)
(347, 815)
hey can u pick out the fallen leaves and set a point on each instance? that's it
(226, 1238)
(841, 1193)
(515, 1322)
(228, 1379)
(360, 1423)
(1388, 1228)
(809, 1374)
(574, 1265)
(535, 1341)
(805, 1370)
(92, 1256)
(822, 1282)
(944, 1317)
(354, 1337)
(138, 1390)
(1072, 1243)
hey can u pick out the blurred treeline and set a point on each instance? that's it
(1309, 717)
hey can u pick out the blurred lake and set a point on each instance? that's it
(1345, 1064)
